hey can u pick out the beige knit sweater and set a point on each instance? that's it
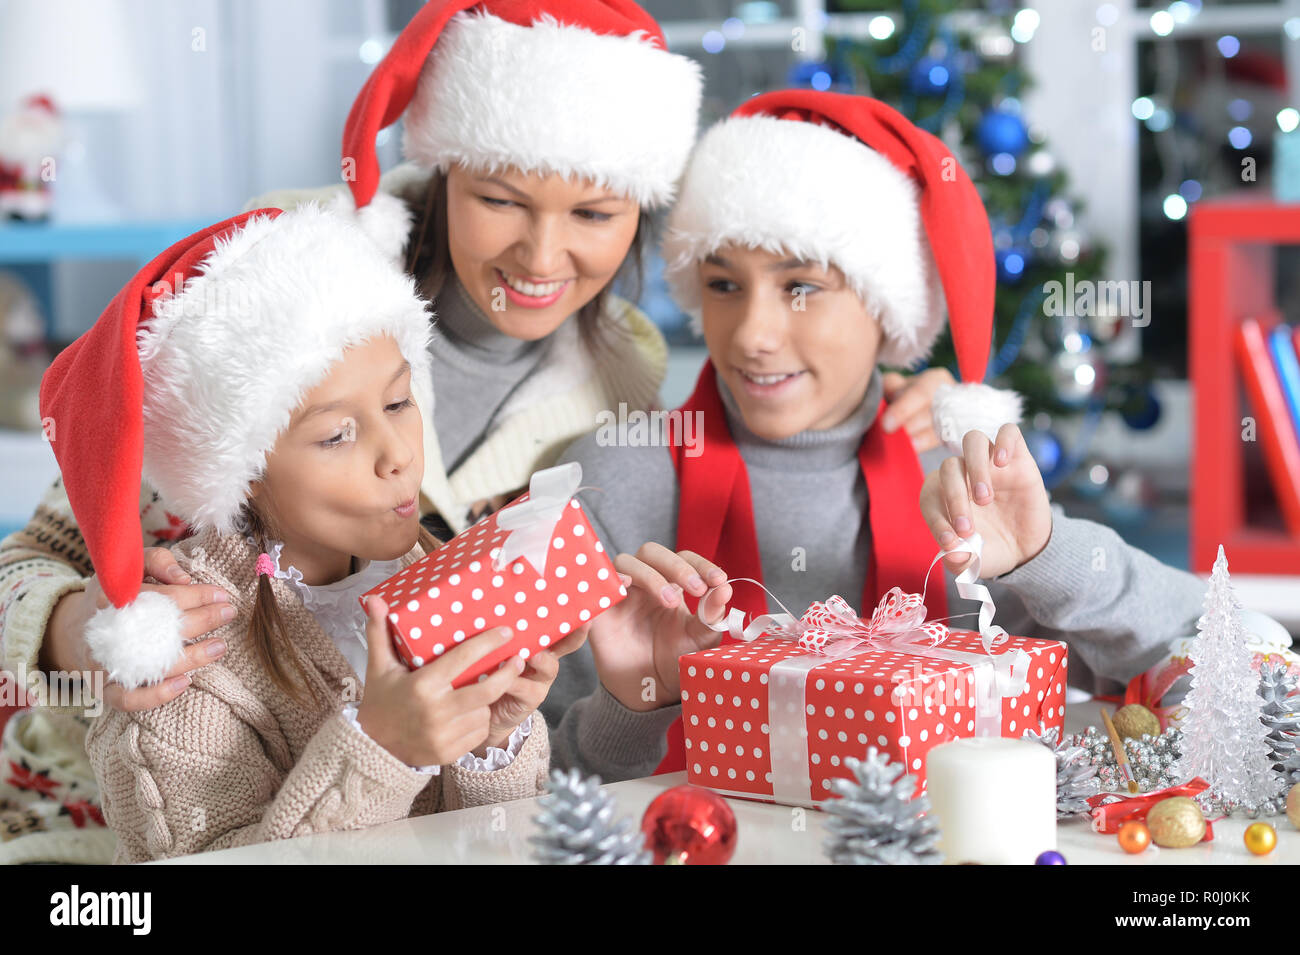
(235, 760)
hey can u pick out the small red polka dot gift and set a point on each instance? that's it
(774, 714)
(535, 566)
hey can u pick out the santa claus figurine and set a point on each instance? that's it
(29, 137)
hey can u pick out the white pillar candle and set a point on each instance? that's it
(995, 799)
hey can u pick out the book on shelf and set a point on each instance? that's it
(1275, 427)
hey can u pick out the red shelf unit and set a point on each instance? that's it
(1231, 263)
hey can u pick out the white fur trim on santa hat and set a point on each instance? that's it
(803, 190)
(555, 98)
(959, 409)
(386, 219)
(228, 360)
(138, 643)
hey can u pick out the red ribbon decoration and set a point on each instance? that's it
(1107, 817)
(1149, 688)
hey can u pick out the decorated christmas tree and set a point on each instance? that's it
(1224, 741)
(953, 68)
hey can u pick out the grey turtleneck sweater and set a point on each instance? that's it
(1115, 606)
(476, 369)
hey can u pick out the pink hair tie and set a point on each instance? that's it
(265, 565)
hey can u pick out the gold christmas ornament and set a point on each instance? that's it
(1293, 805)
(1260, 838)
(1135, 719)
(1176, 823)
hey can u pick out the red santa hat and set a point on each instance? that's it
(187, 380)
(582, 88)
(847, 181)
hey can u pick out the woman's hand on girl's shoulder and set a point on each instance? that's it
(204, 608)
(636, 643)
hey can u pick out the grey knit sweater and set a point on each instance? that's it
(1115, 606)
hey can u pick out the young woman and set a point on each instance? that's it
(812, 233)
(525, 199)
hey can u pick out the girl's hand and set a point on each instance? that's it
(204, 609)
(909, 399)
(1011, 509)
(528, 690)
(417, 715)
(636, 642)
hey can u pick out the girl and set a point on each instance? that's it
(266, 376)
(812, 234)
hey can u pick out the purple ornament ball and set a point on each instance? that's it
(1051, 857)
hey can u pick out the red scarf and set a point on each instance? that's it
(715, 517)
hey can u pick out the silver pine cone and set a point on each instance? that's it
(1281, 714)
(1076, 776)
(875, 821)
(578, 828)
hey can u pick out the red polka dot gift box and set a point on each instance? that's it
(774, 718)
(535, 566)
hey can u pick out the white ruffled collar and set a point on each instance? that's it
(336, 606)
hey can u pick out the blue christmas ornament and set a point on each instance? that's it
(1011, 263)
(819, 75)
(1141, 408)
(1051, 857)
(929, 77)
(1002, 132)
(1045, 449)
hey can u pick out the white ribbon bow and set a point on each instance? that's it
(531, 520)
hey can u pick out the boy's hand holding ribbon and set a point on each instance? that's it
(993, 489)
(636, 643)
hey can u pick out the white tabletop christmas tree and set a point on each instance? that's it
(1224, 741)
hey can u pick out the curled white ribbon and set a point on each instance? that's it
(531, 520)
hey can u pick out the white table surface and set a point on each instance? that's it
(769, 834)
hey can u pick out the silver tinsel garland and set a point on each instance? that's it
(1151, 758)
(1076, 774)
(578, 828)
(876, 821)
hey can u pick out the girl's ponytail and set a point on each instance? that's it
(267, 631)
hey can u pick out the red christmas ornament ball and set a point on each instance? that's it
(689, 826)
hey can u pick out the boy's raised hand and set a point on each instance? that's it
(995, 489)
(636, 642)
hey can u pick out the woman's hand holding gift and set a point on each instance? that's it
(996, 490)
(636, 642)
